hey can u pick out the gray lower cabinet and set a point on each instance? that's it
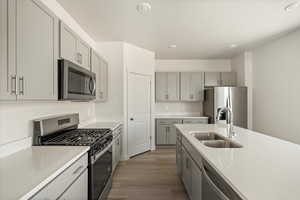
(100, 68)
(166, 132)
(191, 176)
(117, 147)
(196, 181)
(78, 190)
(70, 184)
(73, 48)
(186, 172)
(29, 63)
(179, 154)
(195, 121)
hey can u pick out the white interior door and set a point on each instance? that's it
(139, 113)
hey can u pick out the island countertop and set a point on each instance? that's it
(265, 168)
(24, 173)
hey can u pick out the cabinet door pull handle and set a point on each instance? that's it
(21, 85)
(79, 58)
(78, 169)
(187, 163)
(13, 85)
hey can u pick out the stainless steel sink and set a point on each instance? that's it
(208, 136)
(222, 144)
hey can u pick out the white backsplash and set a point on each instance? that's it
(16, 119)
(178, 108)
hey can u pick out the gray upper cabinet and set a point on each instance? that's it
(192, 85)
(68, 43)
(36, 52)
(212, 79)
(29, 44)
(220, 79)
(7, 73)
(83, 54)
(100, 68)
(228, 79)
(73, 48)
(167, 86)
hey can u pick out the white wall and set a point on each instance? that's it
(222, 65)
(276, 88)
(15, 118)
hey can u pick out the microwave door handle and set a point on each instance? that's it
(91, 86)
(94, 88)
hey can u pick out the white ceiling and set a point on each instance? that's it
(201, 29)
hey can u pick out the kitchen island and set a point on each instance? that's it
(265, 168)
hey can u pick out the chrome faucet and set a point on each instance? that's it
(229, 119)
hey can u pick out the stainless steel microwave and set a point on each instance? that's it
(75, 83)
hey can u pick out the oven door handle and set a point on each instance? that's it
(97, 156)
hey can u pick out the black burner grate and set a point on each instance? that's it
(78, 137)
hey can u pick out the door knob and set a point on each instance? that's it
(131, 119)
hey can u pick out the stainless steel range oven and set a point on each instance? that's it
(75, 83)
(100, 174)
(63, 130)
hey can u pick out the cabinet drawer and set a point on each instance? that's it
(168, 121)
(55, 188)
(195, 121)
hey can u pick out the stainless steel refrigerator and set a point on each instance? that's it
(234, 97)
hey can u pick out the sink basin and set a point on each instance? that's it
(222, 144)
(207, 136)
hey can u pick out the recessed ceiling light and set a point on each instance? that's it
(233, 46)
(143, 7)
(292, 6)
(172, 46)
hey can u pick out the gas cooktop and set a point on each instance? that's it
(78, 137)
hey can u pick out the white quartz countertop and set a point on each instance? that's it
(178, 116)
(104, 124)
(24, 173)
(266, 168)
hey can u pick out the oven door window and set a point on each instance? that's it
(79, 83)
(100, 173)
